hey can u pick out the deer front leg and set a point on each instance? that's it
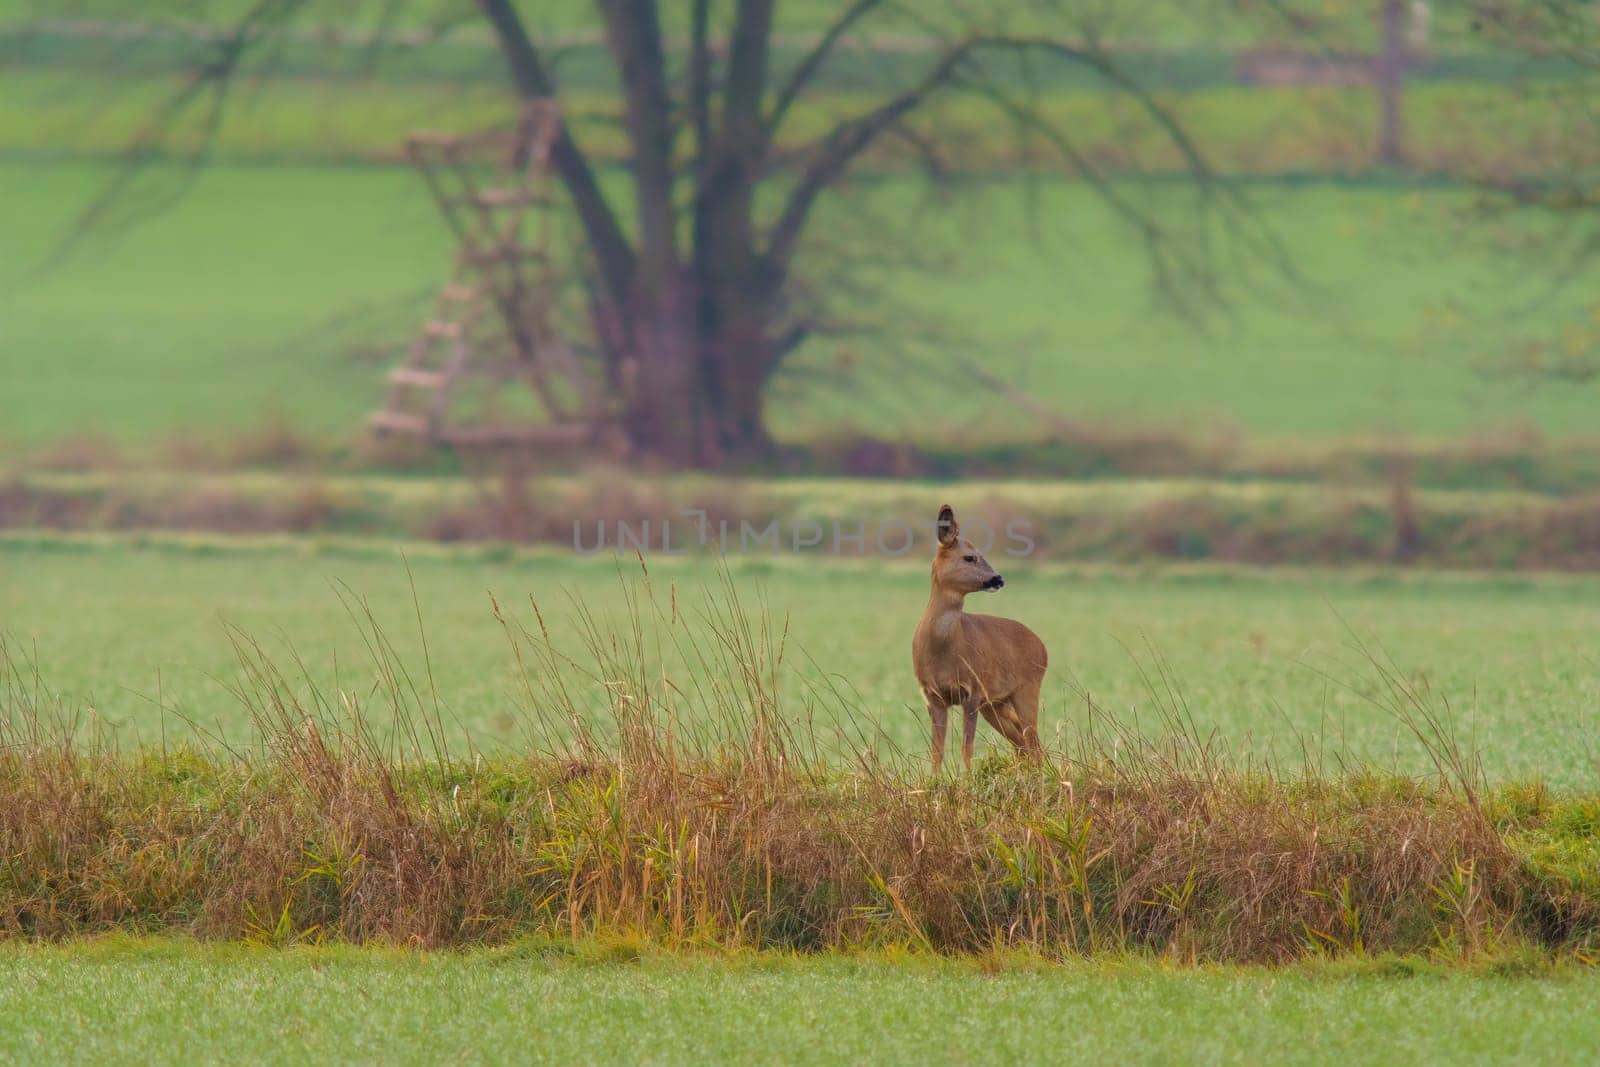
(939, 716)
(969, 730)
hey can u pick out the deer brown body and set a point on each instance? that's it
(990, 666)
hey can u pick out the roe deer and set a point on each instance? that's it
(989, 665)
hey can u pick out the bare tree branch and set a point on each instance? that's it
(808, 66)
(635, 36)
(1182, 266)
(927, 149)
(699, 94)
(725, 192)
(748, 56)
(846, 142)
(1172, 261)
(211, 79)
(528, 74)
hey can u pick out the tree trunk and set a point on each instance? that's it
(693, 377)
(663, 378)
(739, 361)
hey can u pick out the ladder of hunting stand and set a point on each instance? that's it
(493, 319)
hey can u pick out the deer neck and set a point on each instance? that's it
(942, 617)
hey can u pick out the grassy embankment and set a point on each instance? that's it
(677, 779)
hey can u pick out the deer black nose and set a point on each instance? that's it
(994, 583)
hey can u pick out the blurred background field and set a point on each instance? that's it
(284, 291)
(282, 277)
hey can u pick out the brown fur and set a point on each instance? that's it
(991, 666)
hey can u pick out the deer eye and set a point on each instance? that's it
(970, 559)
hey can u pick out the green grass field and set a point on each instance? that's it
(170, 1002)
(241, 302)
(1269, 660)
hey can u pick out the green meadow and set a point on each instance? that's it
(285, 292)
(1283, 666)
(174, 1002)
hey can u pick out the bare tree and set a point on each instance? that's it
(693, 298)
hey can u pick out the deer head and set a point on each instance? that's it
(958, 566)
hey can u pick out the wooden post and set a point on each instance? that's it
(1390, 77)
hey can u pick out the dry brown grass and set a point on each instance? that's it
(271, 441)
(302, 506)
(80, 452)
(509, 504)
(1502, 457)
(1046, 444)
(695, 810)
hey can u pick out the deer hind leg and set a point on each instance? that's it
(1023, 707)
(987, 709)
(998, 713)
(939, 718)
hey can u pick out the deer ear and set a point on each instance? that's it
(948, 530)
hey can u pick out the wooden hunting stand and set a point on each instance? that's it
(494, 328)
